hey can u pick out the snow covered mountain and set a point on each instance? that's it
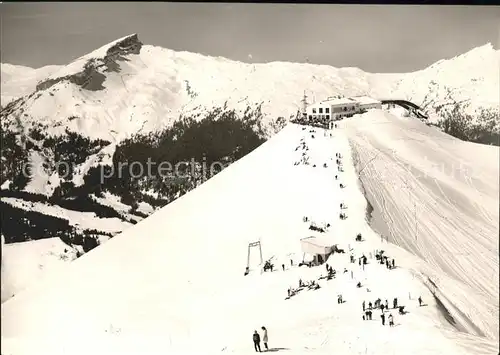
(18, 80)
(174, 282)
(125, 87)
(473, 77)
(83, 113)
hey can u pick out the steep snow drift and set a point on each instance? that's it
(174, 282)
(437, 197)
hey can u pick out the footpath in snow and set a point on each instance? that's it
(174, 283)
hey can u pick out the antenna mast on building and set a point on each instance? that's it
(304, 104)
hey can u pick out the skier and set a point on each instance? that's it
(364, 306)
(393, 264)
(370, 305)
(395, 303)
(391, 320)
(283, 266)
(383, 318)
(382, 307)
(264, 337)
(386, 304)
(387, 263)
(420, 301)
(256, 341)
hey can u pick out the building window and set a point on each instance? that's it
(345, 108)
(327, 110)
(314, 110)
(327, 117)
(310, 117)
(321, 110)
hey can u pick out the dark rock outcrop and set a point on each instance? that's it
(92, 77)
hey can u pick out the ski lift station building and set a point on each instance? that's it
(336, 108)
(317, 248)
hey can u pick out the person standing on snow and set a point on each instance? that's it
(264, 337)
(256, 341)
(391, 320)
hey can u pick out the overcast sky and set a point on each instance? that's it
(375, 38)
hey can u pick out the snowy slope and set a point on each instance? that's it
(24, 263)
(473, 76)
(125, 87)
(80, 220)
(174, 282)
(18, 80)
(437, 197)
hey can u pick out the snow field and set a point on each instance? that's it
(174, 282)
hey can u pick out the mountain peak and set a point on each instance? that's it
(87, 71)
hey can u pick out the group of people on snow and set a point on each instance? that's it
(384, 259)
(256, 339)
(368, 307)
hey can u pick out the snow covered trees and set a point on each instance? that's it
(457, 120)
(482, 128)
(190, 145)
